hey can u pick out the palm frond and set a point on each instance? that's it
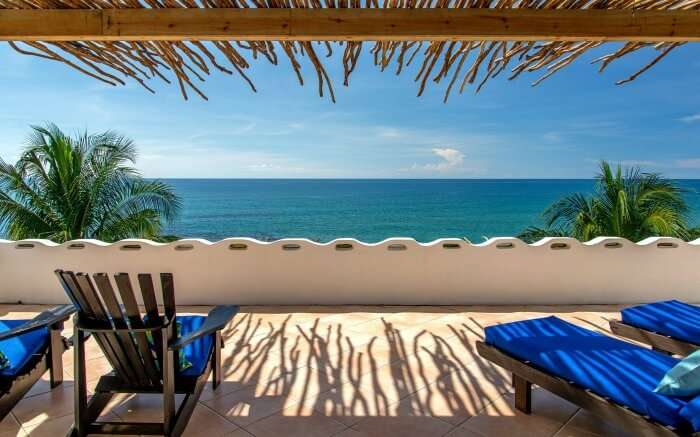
(633, 205)
(85, 186)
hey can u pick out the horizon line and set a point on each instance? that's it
(397, 179)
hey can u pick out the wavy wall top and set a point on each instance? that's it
(500, 242)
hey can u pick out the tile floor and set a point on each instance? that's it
(346, 371)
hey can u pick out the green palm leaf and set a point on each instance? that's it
(633, 205)
(65, 187)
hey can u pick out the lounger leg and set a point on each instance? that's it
(55, 355)
(523, 394)
(216, 371)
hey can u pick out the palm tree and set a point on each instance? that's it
(63, 188)
(635, 206)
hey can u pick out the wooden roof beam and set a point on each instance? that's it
(349, 24)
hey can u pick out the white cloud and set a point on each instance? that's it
(196, 162)
(552, 137)
(389, 132)
(641, 163)
(451, 160)
(691, 118)
(662, 165)
(276, 169)
(688, 163)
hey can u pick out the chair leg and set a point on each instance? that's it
(523, 394)
(80, 408)
(97, 404)
(188, 405)
(216, 371)
(168, 363)
(184, 414)
(55, 355)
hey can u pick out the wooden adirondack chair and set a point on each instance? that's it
(145, 352)
(32, 347)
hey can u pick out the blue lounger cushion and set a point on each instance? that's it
(197, 352)
(691, 413)
(671, 318)
(626, 373)
(19, 349)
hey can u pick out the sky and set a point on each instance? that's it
(378, 128)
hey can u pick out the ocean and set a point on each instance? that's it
(372, 210)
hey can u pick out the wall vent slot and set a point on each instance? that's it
(559, 246)
(666, 245)
(613, 245)
(505, 246)
(451, 245)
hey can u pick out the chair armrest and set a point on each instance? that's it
(215, 321)
(55, 315)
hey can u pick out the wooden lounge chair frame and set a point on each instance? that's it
(123, 339)
(658, 342)
(525, 375)
(50, 358)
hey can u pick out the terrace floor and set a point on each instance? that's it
(342, 371)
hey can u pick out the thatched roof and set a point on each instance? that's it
(453, 65)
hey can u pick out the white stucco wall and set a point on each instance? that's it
(447, 271)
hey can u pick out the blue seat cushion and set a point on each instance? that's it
(671, 318)
(626, 373)
(19, 349)
(197, 352)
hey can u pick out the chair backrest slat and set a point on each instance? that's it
(68, 282)
(149, 296)
(72, 287)
(166, 281)
(134, 347)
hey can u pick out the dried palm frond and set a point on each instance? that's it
(449, 62)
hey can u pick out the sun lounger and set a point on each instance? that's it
(611, 378)
(669, 326)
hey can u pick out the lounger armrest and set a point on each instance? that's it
(50, 317)
(215, 321)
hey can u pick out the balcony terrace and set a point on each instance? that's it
(342, 370)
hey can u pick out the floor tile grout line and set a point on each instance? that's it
(200, 403)
(342, 430)
(566, 422)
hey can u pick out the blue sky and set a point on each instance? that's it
(378, 127)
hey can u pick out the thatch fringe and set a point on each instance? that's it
(451, 63)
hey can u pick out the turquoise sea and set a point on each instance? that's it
(371, 210)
